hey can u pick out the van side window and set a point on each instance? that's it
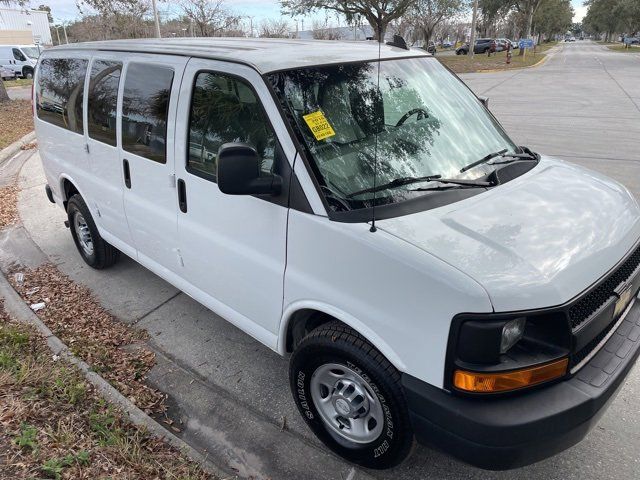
(225, 109)
(102, 99)
(17, 54)
(145, 106)
(59, 92)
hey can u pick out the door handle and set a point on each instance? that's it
(182, 195)
(127, 173)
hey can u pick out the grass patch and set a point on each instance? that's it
(18, 82)
(617, 47)
(497, 61)
(54, 425)
(15, 121)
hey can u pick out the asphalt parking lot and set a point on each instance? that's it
(232, 394)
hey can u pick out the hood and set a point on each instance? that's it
(537, 241)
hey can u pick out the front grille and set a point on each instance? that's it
(581, 354)
(593, 300)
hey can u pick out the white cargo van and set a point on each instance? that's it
(366, 215)
(20, 58)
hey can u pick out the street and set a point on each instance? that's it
(230, 395)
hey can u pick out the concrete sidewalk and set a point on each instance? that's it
(232, 394)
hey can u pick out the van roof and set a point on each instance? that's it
(263, 54)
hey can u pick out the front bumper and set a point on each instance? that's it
(499, 433)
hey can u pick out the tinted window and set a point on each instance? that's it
(225, 109)
(59, 92)
(144, 110)
(102, 99)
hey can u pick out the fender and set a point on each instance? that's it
(344, 317)
(90, 204)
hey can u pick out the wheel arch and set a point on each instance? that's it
(301, 317)
(68, 188)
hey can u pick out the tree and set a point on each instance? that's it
(46, 8)
(210, 17)
(274, 29)
(603, 16)
(426, 15)
(553, 17)
(379, 13)
(119, 18)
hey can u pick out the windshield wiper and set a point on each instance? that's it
(513, 157)
(399, 182)
(484, 159)
(454, 185)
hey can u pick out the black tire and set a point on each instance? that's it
(27, 72)
(104, 255)
(335, 343)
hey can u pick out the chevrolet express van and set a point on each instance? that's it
(21, 59)
(363, 213)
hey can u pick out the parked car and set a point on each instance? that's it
(19, 58)
(7, 73)
(482, 45)
(409, 273)
(431, 48)
(502, 44)
(447, 44)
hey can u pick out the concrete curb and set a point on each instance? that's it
(18, 310)
(15, 147)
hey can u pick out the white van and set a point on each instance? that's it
(21, 59)
(369, 217)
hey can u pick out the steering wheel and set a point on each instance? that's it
(421, 112)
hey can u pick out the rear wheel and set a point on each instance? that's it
(94, 250)
(350, 396)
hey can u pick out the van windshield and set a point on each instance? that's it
(422, 121)
(31, 52)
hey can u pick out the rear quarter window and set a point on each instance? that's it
(59, 92)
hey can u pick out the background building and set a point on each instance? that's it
(24, 27)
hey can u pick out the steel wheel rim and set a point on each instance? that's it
(83, 234)
(346, 403)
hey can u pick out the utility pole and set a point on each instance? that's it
(64, 29)
(58, 34)
(472, 37)
(156, 18)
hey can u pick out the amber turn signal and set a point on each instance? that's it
(504, 381)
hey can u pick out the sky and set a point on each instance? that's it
(66, 10)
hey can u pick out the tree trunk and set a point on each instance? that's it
(4, 96)
(527, 32)
(379, 26)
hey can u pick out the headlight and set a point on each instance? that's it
(494, 353)
(512, 332)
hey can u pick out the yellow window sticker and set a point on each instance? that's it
(319, 125)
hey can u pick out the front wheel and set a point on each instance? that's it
(350, 396)
(27, 73)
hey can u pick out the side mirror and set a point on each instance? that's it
(239, 172)
(484, 101)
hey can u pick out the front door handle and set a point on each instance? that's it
(127, 173)
(182, 195)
